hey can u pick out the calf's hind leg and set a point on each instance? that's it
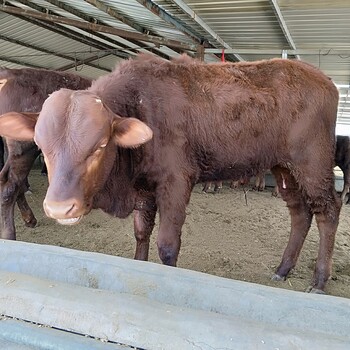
(327, 226)
(301, 217)
(320, 196)
(327, 219)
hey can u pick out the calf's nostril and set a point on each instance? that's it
(58, 210)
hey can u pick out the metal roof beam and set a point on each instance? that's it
(21, 63)
(62, 31)
(116, 14)
(278, 52)
(82, 62)
(158, 11)
(283, 25)
(99, 28)
(194, 16)
(65, 31)
(90, 19)
(37, 48)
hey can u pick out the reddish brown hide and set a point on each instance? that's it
(24, 90)
(342, 160)
(210, 122)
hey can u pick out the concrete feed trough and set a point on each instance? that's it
(128, 303)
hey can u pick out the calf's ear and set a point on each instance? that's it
(18, 126)
(130, 132)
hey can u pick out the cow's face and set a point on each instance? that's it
(78, 136)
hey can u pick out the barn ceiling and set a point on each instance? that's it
(91, 36)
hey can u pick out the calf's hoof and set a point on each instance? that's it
(314, 290)
(31, 223)
(276, 277)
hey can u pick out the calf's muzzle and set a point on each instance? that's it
(65, 212)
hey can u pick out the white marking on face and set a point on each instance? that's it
(2, 83)
(98, 100)
(283, 183)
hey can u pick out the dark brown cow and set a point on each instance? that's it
(24, 90)
(342, 160)
(141, 137)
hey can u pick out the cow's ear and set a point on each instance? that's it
(18, 126)
(130, 132)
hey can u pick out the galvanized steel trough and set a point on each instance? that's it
(123, 302)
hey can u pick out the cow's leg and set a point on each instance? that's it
(234, 184)
(26, 212)
(301, 217)
(217, 186)
(275, 191)
(326, 206)
(327, 224)
(346, 172)
(144, 219)
(8, 194)
(21, 156)
(172, 200)
(259, 184)
(320, 195)
(206, 186)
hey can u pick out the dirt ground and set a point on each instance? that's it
(223, 235)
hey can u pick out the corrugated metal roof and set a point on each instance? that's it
(239, 23)
(313, 30)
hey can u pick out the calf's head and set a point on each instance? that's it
(77, 135)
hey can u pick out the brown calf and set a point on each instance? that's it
(24, 90)
(141, 137)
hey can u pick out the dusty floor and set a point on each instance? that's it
(222, 235)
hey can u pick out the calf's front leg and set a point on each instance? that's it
(172, 202)
(26, 212)
(144, 218)
(143, 226)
